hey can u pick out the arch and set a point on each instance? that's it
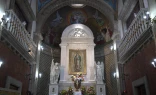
(70, 28)
(50, 8)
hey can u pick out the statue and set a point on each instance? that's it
(55, 72)
(77, 63)
(100, 72)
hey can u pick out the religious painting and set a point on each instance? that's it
(77, 16)
(77, 61)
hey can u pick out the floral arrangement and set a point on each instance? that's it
(70, 91)
(63, 92)
(83, 90)
(78, 76)
(91, 91)
(77, 80)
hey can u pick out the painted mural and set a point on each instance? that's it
(65, 16)
(77, 16)
(42, 3)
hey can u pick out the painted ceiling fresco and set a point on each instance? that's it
(112, 3)
(59, 20)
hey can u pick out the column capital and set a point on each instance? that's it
(38, 36)
(63, 44)
(115, 36)
(91, 45)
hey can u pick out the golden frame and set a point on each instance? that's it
(77, 62)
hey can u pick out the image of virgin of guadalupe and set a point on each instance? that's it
(77, 63)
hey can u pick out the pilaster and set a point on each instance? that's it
(116, 40)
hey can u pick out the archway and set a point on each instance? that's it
(77, 38)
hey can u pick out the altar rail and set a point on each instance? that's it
(18, 31)
(136, 30)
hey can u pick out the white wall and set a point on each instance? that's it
(3, 7)
(152, 8)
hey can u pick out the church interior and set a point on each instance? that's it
(77, 47)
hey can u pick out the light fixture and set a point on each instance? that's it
(147, 12)
(154, 63)
(41, 47)
(1, 63)
(114, 74)
(77, 5)
(114, 46)
(40, 75)
(144, 17)
(36, 75)
(7, 19)
(111, 48)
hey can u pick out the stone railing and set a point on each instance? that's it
(18, 31)
(138, 27)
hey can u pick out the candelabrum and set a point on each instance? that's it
(77, 79)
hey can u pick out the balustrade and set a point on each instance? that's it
(137, 28)
(17, 29)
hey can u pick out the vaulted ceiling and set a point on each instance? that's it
(59, 19)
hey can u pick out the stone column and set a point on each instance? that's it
(91, 63)
(63, 68)
(116, 39)
(37, 40)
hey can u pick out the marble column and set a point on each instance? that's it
(63, 68)
(38, 37)
(91, 61)
(116, 39)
